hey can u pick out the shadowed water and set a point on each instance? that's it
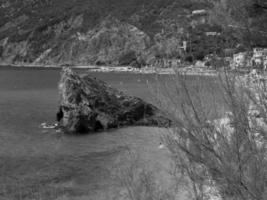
(76, 165)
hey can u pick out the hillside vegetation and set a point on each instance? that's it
(105, 32)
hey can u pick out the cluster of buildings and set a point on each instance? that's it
(248, 59)
(255, 59)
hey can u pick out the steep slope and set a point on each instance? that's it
(82, 31)
(105, 32)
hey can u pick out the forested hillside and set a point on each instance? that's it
(118, 32)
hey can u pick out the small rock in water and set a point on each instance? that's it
(161, 146)
(49, 127)
(46, 126)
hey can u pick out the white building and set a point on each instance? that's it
(199, 12)
(184, 47)
(212, 34)
(239, 59)
(259, 56)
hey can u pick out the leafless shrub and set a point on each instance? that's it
(226, 156)
(140, 183)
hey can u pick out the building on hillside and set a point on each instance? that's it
(259, 56)
(255, 59)
(229, 52)
(166, 63)
(212, 34)
(198, 17)
(172, 63)
(199, 12)
(184, 46)
(239, 60)
(265, 63)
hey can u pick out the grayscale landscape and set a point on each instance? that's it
(133, 100)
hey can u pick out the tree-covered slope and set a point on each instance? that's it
(103, 31)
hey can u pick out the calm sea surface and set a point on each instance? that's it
(29, 97)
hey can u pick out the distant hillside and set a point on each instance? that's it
(104, 32)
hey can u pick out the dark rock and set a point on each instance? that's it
(60, 114)
(89, 105)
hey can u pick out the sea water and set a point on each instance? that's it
(85, 164)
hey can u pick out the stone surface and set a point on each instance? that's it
(89, 105)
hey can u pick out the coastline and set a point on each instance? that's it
(190, 70)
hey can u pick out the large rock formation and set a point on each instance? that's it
(89, 105)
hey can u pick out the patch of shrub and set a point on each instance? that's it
(127, 58)
(189, 58)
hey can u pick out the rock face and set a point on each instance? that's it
(88, 105)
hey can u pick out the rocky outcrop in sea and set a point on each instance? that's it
(88, 105)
